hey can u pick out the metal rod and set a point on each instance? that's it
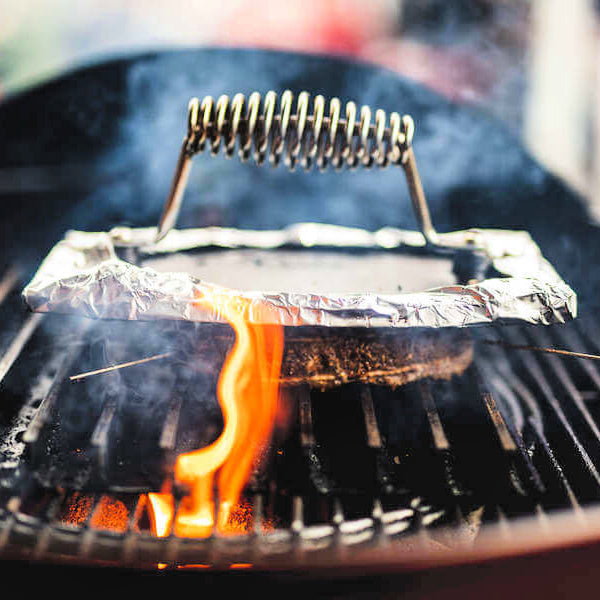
(132, 363)
(101, 432)
(521, 457)
(556, 467)
(168, 437)
(500, 364)
(257, 514)
(297, 524)
(573, 339)
(504, 435)
(5, 531)
(446, 457)
(8, 282)
(572, 391)
(173, 203)
(536, 372)
(338, 512)
(43, 412)
(52, 509)
(542, 349)
(504, 526)
(437, 429)
(373, 435)
(307, 436)
(417, 197)
(17, 345)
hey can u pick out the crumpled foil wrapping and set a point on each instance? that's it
(83, 275)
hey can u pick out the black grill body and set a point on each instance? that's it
(366, 474)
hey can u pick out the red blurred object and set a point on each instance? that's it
(325, 26)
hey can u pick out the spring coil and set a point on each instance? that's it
(259, 129)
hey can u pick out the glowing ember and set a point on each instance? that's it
(77, 509)
(110, 514)
(240, 518)
(247, 393)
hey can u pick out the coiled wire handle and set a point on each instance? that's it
(323, 138)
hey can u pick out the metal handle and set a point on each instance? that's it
(261, 131)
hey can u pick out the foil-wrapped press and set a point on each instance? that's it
(83, 274)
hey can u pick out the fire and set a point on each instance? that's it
(161, 511)
(247, 392)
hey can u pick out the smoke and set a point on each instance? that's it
(477, 53)
(122, 123)
(108, 429)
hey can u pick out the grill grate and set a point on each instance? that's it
(362, 466)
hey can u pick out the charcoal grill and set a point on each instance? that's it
(500, 462)
(408, 468)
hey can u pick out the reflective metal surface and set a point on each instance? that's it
(84, 275)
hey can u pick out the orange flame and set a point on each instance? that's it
(247, 392)
(161, 511)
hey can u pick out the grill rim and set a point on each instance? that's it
(527, 537)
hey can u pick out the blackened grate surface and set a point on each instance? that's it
(361, 466)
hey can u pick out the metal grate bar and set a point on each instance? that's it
(257, 514)
(498, 367)
(534, 423)
(43, 412)
(297, 524)
(100, 434)
(557, 469)
(558, 367)
(168, 436)
(43, 541)
(536, 372)
(445, 455)
(372, 430)
(571, 339)
(376, 443)
(503, 522)
(591, 332)
(18, 343)
(504, 435)
(302, 395)
(12, 506)
(9, 281)
(87, 533)
(525, 478)
(338, 512)
(511, 438)
(131, 536)
(437, 430)
(171, 535)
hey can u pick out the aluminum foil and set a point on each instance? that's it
(83, 275)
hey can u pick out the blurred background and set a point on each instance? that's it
(531, 63)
